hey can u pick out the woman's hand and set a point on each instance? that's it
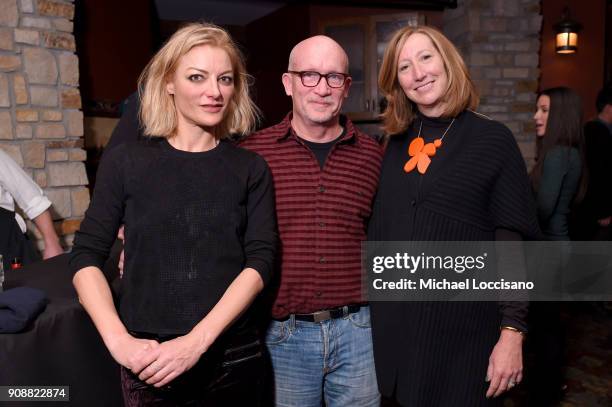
(174, 358)
(133, 353)
(505, 363)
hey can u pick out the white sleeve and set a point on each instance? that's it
(26, 193)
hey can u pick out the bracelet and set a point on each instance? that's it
(513, 329)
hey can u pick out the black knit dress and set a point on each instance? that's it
(436, 353)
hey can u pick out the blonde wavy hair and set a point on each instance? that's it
(158, 113)
(400, 111)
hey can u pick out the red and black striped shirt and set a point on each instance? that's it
(322, 215)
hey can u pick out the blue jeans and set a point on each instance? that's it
(330, 360)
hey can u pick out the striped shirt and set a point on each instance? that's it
(322, 215)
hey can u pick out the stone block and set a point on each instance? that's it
(55, 9)
(528, 149)
(5, 99)
(6, 39)
(500, 91)
(69, 69)
(514, 127)
(65, 174)
(522, 107)
(492, 73)
(56, 155)
(492, 109)
(535, 22)
(33, 154)
(505, 8)
(504, 59)
(62, 24)
(71, 98)
(9, 63)
(80, 201)
(482, 59)
(77, 154)
(9, 17)
(492, 24)
(6, 125)
(23, 131)
(36, 22)
(60, 199)
(27, 6)
(13, 151)
(526, 97)
(43, 96)
(26, 115)
(55, 130)
(40, 177)
(518, 73)
(74, 123)
(58, 40)
(20, 90)
(483, 86)
(27, 36)
(75, 143)
(40, 66)
(52, 115)
(518, 46)
(526, 86)
(531, 59)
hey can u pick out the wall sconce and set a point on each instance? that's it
(567, 34)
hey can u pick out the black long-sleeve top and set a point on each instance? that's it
(193, 222)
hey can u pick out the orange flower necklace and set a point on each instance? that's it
(420, 152)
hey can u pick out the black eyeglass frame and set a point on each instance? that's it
(345, 76)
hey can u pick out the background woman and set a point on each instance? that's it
(476, 188)
(199, 232)
(559, 181)
(558, 176)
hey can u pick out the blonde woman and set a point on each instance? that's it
(200, 232)
(449, 174)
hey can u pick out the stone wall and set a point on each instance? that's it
(500, 41)
(41, 125)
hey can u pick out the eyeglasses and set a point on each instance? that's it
(310, 79)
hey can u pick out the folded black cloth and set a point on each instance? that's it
(18, 307)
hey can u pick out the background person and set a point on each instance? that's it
(475, 188)
(17, 187)
(559, 182)
(200, 232)
(595, 214)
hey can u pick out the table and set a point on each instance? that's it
(62, 347)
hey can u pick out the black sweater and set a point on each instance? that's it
(193, 222)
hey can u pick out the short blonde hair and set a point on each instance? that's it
(158, 113)
(400, 111)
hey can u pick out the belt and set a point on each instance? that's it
(327, 314)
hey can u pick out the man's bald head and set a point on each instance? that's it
(316, 51)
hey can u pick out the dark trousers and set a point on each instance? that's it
(230, 373)
(13, 243)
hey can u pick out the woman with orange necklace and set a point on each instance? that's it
(449, 174)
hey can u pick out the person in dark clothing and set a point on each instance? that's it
(559, 182)
(595, 214)
(200, 232)
(475, 188)
(558, 177)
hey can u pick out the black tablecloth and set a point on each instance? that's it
(62, 347)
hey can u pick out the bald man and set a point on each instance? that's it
(325, 175)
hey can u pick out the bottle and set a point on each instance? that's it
(1, 273)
